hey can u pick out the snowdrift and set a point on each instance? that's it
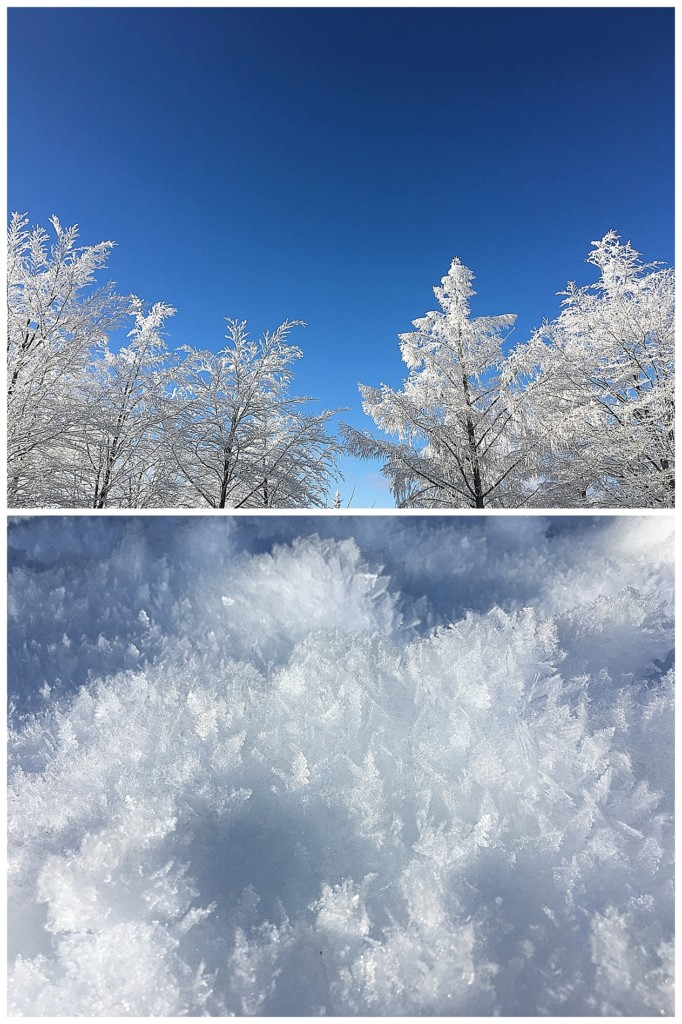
(341, 765)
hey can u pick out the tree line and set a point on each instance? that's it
(579, 416)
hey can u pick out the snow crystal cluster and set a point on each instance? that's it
(345, 765)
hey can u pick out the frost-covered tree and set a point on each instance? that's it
(96, 425)
(581, 416)
(120, 456)
(457, 444)
(55, 315)
(239, 439)
(297, 460)
(603, 385)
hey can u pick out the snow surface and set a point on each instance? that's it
(341, 765)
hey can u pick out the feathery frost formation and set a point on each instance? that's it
(345, 766)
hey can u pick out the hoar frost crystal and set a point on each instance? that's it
(380, 767)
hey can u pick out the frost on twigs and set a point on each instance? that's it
(303, 802)
(582, 415)
(96, 424)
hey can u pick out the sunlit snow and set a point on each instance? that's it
(341, 765)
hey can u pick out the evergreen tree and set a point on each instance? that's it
(457, 444)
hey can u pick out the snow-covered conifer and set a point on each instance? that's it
(457, 444)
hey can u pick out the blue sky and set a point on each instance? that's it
(326, 164)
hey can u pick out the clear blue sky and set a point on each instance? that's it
(326, 164)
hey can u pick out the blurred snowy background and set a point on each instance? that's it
(340, 765)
